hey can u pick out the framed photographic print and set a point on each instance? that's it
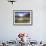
(22, 17)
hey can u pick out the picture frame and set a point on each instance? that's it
(22, 17)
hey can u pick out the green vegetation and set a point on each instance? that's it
(22, 19)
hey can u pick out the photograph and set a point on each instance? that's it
(22, 17)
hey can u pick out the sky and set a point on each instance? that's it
(21, 13)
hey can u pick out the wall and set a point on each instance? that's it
(8, 31)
